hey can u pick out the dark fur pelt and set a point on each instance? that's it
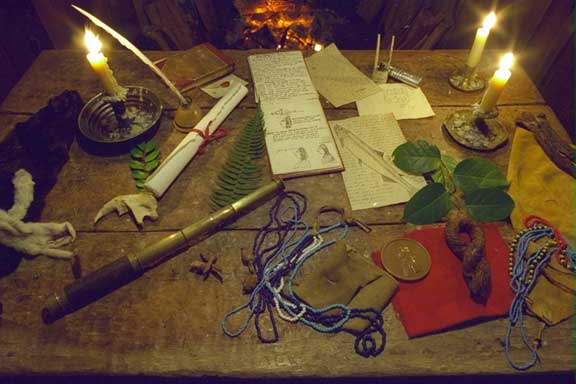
(39, 145)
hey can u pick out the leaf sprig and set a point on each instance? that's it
(145, 159)
(479, 180)
(241, 174)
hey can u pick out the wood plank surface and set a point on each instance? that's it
(168, 323)
(57, 70)
(87, 181)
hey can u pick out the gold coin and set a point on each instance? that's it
(405, 259)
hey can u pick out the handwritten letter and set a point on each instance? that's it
(337, 79)
(281, 75)
(366, 144)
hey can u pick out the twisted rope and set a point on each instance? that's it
(475, 267)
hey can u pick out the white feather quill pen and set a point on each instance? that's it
(125, 42)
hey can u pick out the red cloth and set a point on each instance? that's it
(442, 300)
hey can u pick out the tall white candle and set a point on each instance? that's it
(497, 83)
(480, 40)
(99, 64)
(376, 54)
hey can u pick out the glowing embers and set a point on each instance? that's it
(277, 23)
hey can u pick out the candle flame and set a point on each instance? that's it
(507, 61)
(125, 42)
(92, 42)
(318, 47)
(489, 21)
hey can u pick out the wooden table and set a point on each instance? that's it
(168, 322)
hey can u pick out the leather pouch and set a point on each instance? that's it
(345, 277)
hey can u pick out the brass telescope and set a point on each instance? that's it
(127, 269)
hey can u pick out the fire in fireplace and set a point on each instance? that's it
(277, 23)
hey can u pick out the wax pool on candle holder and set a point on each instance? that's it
(480, 40)
(99, 64)
(497, 83)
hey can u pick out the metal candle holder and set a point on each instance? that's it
(468, 80)
(107, 120)
(475, 129)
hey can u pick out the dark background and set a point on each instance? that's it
(541, 32)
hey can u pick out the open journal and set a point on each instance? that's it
(299, 140)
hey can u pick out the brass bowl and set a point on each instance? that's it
(98, 124)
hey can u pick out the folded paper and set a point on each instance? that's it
(337, 79)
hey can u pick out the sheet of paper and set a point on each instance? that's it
(337, 79)
(298, 138)
(404, 101)
(281, 75)
(221, 86)
(371, 179)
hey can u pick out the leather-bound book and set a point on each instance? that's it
(196, 66)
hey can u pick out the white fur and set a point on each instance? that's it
(32, 239)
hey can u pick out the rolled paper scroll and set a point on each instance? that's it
(171, 167)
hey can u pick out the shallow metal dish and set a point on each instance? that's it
(98, 124)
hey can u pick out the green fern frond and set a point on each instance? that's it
(242, 173)
(145, 159)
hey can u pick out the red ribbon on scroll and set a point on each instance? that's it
(219, 133)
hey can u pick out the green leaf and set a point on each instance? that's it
(152, 155)
(139, 175)
(449, 162)
(489, 204)
(151, 166)
(240, 175)
(439, 176)
(472, 174)
(137, 153)
(145, 159)
(428, 205)
(136, 165)
(147, 146)
(417, 157)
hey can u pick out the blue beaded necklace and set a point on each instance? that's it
(524, 272)
(276, 267)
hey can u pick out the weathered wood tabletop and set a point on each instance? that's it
(168, 322)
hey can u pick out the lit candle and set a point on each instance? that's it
(497, 83)
(480, 40)
(99, 64)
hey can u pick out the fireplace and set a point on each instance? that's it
(295, 24)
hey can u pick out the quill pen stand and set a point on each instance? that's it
(476, 129)
(467, 80)
(187, 116)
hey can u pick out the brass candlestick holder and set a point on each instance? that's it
(468, 80)
(475, 129)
